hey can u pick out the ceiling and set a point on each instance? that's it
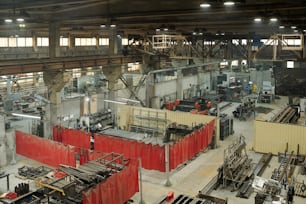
(84, 17)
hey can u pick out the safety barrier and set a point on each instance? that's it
(191, 145)
(152, 156)
(117, 188)
(43, 150)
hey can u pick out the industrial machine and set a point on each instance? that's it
(96, 122)
(194, 105)
(245, 110)
(266, 95)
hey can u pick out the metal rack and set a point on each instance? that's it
(149, 121)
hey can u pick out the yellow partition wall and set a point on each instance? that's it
(124, 113)
(273, 137)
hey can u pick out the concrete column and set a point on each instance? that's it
(249, 48)
(71, 41)
(54, 40)
(34, 42)
(179, 85)
(113, 44)
(150, 89)
(55, 82)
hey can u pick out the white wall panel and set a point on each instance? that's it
(273, 137)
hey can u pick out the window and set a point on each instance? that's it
(290, 64)
(125, 41)
(104, 41)
(24, 42)
(42, 41)
(85, 42)
(12, 42)
(63, 41)
(3, 42)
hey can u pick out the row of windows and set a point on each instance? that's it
(44, 42)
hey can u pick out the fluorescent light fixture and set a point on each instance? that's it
(22, 25)
(296, 31)
(293, 27)
(304, 31)
(257, 19)
(126, 99)
(102, 25)
(113, 26)
(26, 116)
(222, 34)
(273, 19)
(8, 20)
(157, 29)
(229, 3)
(118, 102)
(281, 27)
(20, 20)
(205, 5)
(165, 29)
(200, 33)
(194, 33)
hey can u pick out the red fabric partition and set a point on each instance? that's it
(191, 145)
(76, 138)
(57, 133)
(116, 189)
(43, 150)
(152, 156)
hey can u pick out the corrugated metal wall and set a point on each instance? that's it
(273, 137)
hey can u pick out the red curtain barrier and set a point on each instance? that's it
(116, 189)
(152, 156)
(43, 150)
(57, 133)
(191, 145)
(76, 138)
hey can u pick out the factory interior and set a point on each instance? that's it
(152, 102)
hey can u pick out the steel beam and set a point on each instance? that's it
(12, 67)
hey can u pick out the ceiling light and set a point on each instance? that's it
(194, 33)
(200, 33)
(205, 5)
(165, 29)
(20, 20)
(102, 25)
(26, 116)
(229, 3)
(157, 29)
(304, 31)
(113, 26)
(273, 19)
(293, 27)
(8, 20)
(281, 27)
(112, 101)
(295, 31)
(257, 19)
(22, 25)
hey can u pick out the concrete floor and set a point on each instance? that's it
(193, 177)
(187, 179)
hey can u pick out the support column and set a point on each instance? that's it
(179, 85)
(55, 82)
(249, 48)
(54, 40)
(112, 74)
(150, 90)
(113, 44)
